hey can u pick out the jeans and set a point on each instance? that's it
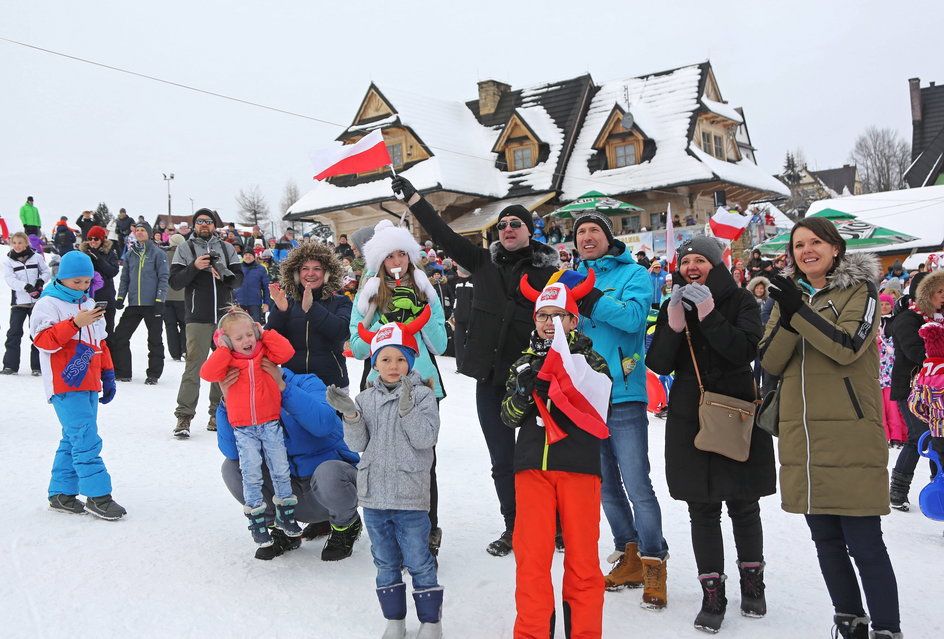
(500, 440)
(839, 537)
(401, 538)
(11, 356)
(707, 542)
(78, 467)
(908, 457)
(120, 344)
(624, 465)
(254, 442)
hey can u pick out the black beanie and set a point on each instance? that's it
(205, 213)
(601, 220)
(519, 212)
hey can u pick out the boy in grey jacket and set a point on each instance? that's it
(395, 422)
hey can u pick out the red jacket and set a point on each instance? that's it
(255, 397)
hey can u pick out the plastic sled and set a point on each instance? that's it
(931, 498)
(655, 392)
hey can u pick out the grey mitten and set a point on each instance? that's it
(406, 397)
(340, 401)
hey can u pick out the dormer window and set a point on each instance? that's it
(521, 158)
(518, 146)
(618, 147)
(713, 145)
(396, 154)
(624, 155)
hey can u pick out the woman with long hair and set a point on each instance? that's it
(820, 340)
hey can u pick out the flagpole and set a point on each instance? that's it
(392, 170)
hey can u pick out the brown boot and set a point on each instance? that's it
(627, 572)
(654, 592)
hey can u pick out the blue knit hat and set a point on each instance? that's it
(75, 264)
(408, 353)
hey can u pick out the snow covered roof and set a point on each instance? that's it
(722, 109)
(918, 212)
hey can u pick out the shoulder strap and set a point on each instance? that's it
(701, 389)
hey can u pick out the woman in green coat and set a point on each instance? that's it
(821, 340)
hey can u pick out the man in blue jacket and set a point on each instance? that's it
(253, 295)
(614, 317)
(323, 468)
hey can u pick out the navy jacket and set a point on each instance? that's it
(255, 288)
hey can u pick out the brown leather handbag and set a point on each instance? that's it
(724, 422)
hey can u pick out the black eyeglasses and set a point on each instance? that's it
(515, 224)
(203, 222)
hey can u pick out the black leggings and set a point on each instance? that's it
(707, 541)
(839, 537)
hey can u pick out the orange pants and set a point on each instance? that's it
(540, 495)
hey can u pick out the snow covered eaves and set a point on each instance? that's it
(541, 176)
(724, 110)
(743, 173)
(376, 124)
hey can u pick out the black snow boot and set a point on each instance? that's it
(105, 507)
(898, 491)
(850, 626)
(285, 516)
(281, 543)
(316, 529)
(340, 544)
(753, 602)
(501, 546)
(257, 525)
(713, 602)
(66, 504)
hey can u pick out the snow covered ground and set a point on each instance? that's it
(181, 564)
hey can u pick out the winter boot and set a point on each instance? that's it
(182, 429)
(753, 602)
(627, 571)
(211, 425)
(435, 540)
(340, 544)
(393, 604)
(316, 529)
(105, 507)
(429, 612)
(66, 504)
(885, 634)
(285, 516)
(713, 602)
(559, 542)
(898, 490)
(850, 626)
(257, 525)
(655, 573)
(501, 546)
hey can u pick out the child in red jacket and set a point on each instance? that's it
(253, 404)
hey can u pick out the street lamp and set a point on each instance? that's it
(167, 178)
(191, 206)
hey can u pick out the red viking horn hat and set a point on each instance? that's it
(412, 327)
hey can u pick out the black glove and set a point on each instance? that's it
(120, 303)
(542, 386)
(787, 296)
(158, 309)
(29, 288)
(525, 376)
(586, 304)
(402, 187)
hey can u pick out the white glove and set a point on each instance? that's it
(421, 282)
(340, 401)
(367, 293)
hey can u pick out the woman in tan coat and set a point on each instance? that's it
(821, 340)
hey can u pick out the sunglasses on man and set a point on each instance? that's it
(515, 224)
(203, 222)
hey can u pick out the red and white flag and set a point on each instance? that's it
(580, 392)
(367, 154)
(728, 225)
(670, 239)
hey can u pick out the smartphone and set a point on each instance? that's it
(101, 306)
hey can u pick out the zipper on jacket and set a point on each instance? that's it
(547, 445)
(852, 397)
(307, 354)
(340, 370)
(806, 429)
(252, 392)
(141, 259)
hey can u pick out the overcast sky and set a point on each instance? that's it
(810, 75)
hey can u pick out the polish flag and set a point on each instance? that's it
(727, 225)
(580, 392)
(367, 154)
(669, 239)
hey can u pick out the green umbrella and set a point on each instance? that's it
(857, 233)
(594, 201)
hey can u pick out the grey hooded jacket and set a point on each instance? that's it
(393, 473)
(144, 275)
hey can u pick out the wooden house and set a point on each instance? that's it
(927, 140)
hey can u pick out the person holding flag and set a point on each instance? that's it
(616, 322)
(558, 396)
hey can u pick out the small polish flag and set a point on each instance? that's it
(367, 154)
(728, 225)
(580, 392)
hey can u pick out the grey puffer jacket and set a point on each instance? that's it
(393, 473)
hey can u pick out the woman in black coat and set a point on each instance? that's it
(105, 262)
(724, 322)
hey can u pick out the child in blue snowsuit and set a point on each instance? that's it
(69, 332)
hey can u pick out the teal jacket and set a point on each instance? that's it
(617, 325)
(432, 336)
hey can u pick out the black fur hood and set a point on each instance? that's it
(542, 255)
(301, 254)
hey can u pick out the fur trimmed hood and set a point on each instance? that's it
(104, 250)
(388, 238)
(301, 254)
(542, 255)
(852, 269)
(760, 279)
(930, 283)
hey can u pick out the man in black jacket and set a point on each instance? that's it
(500, 326)
(209, 270)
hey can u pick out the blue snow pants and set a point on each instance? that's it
(78, 468)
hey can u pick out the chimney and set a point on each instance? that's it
(490, 92)
(914, 88)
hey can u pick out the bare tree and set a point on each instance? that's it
(882, 158)
(289, 196)
(252, 206)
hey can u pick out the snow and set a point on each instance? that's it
(722, 109)
(918, 212)
(181, 564)
(745, 172)
(541, 176)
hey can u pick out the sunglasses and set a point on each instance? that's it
(203, 222)
(515, 224)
